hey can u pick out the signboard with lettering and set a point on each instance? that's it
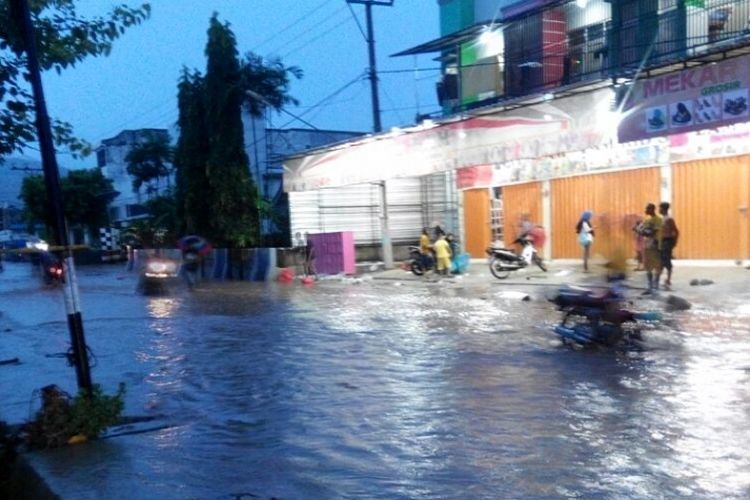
(706, 96)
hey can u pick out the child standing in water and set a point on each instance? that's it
(442, 254)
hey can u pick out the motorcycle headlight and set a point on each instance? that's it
(161, 268)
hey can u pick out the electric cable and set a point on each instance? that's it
(320, 109)
(356, 20)
(388, 97)
(359, 77)
(306, 43)
(290, 25)
(295, 38)
(135, 118)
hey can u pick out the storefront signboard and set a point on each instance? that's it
(522, 136)
(603, 157)
(697, 98)
(733, 140)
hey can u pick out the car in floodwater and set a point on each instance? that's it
(158, 275)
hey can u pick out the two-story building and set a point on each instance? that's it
(111, 157)
(554, 107)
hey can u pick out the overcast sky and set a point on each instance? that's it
(136, 86)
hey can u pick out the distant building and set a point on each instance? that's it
(266, 148)
(110, 158)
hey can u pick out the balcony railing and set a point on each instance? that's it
(562, 44)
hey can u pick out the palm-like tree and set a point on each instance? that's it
(266, 83)
(150, 161)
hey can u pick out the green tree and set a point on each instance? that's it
(64, 38)
(234, 220)
(266, 83)
(86, 197)
(34, 197)
(149, 162)
(191, 156)
(216, 195)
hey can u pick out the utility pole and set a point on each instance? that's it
(386, 245)
(22, 16)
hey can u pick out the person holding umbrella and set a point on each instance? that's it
(193, 249)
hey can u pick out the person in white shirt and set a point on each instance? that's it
(585, 232)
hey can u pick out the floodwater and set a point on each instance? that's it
(374, 390)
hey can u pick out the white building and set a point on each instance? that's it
(265, 147)
(110, 158)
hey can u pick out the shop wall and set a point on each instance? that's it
(519, 199)
(615, 198)
(477, 221)
(710, 205)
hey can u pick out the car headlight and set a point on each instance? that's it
(39, 245)
(161, 269)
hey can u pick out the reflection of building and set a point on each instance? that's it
(543, 115)
(110, 158)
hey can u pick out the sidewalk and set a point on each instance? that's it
(724, 278)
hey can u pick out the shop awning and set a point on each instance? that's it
(447, 42)
(420, 151)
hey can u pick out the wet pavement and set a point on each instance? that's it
(385, 386)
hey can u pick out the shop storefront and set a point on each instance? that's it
(711, 198)
(682, 138)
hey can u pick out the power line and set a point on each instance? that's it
(356, 20)
(291, 25)
(388, 96)
(307, 43)
(334, 94)
(411, 70)
(320, 109)
(159, 107)
(318, 25)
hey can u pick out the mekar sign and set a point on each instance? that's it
(707, 96)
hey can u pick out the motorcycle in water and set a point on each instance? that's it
(156, 276)
(598, 317)
(505, 260)
(419, 263)
(52, 269)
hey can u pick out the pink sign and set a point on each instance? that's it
(703, 97)
(476, 176)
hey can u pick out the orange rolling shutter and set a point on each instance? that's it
(611, 197)
(477, 229)
(519, 199)
(711, 199)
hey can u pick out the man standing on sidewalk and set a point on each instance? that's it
(650, 229)
(669, 235)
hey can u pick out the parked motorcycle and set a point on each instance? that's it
(505, 260)
(598, 317)
(419, 263)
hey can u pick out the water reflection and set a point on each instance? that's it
(375, 391)
(162, 307)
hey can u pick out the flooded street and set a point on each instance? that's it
(375, 390)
